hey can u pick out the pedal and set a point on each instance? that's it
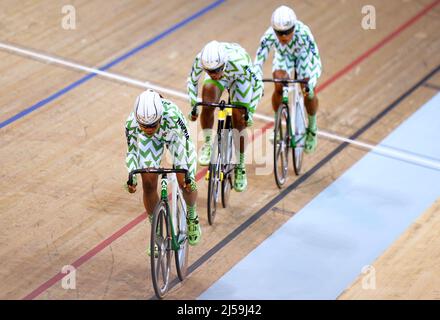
(207, 175)
(221, 176)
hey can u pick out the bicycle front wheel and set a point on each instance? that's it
(299, 136)
(181, 255)
(160, 253)
(213, 189)
(281, 145)
(228, 166)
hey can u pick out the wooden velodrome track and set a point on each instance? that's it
(62, 165)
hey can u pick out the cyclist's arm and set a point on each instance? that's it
(193, 80)
(307, 42)
(131, 160)
(181, 145)
(266, 43)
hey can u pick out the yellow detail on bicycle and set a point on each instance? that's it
(223, 113)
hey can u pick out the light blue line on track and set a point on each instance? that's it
(321, 250)
(110, 64)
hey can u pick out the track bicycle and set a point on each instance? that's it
(290, 129)
(220, 172)
(169, 230)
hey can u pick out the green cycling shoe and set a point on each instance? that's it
(205, 154)
(240, 181)
(311, 140)
(194, 231)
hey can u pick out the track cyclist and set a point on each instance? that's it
(227, 65)
(154, 123)
(295, 49)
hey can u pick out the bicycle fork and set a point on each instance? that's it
(171, 240)
(292, 114)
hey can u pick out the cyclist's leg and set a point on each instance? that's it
(310, 69)
(150, 154)
(241, 94)
(281, 69)
(189, 192)
(150, 195)
(277, 95)
(151, 198)
(240, 141)
(211, 92)
(183, 158)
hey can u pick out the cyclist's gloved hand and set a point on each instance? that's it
(132, 188)
(192, 117)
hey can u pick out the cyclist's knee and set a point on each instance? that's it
(211, 92)
(188, 187)
(207, 111)
(280, 74)
(238, 119)
(278, 89)
(149, 183)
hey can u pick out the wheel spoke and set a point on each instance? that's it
(163, 267)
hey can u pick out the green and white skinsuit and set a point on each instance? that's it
(301, 55)
(246, 89)
(147, 151)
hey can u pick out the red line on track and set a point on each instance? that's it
(101, 246)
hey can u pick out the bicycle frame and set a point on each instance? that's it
(292, 110)
(168, 175)
(222, 115)
(219, 172)
(225, 110)
(295, 98)
(176, 195)
(289, 86)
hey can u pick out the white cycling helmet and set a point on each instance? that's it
(283, 18)
(148, 108)
(213, 56)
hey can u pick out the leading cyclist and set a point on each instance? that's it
(154, 123)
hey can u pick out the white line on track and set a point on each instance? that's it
(110, 75)
(145, 84)
(374, 148)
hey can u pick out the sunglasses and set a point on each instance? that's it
(219, 69)
(285, 32)
(149, 126)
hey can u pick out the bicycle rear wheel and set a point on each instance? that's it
(213, 188)
(181, 255)
(228, 167)
(160, 252)
(299, 136)
(281, 145)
